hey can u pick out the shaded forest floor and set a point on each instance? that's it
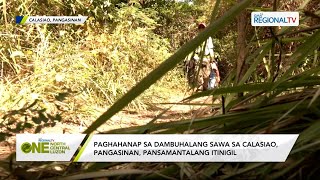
(125, 118)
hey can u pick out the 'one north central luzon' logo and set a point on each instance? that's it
(275, 18)
(45, 146)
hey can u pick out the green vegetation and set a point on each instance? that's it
(270, 84)
(83, 62)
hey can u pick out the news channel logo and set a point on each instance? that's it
(45, 146)
(275, 18)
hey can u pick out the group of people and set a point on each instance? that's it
(201, 66)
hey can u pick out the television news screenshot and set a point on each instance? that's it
(160, 89)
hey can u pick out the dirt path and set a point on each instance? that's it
(126, 118)
(123, 119)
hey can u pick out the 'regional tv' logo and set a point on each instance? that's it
(45, 146)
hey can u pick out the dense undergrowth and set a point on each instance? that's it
(50, 73)
(74, 71)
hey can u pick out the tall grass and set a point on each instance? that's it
(287, 104)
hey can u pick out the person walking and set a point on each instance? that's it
(211, 75)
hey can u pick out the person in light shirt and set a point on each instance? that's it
(212, 76)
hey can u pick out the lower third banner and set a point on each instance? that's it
(156, 147)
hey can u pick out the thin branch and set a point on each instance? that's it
(301, 30)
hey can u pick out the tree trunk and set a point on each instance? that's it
(241, 46)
